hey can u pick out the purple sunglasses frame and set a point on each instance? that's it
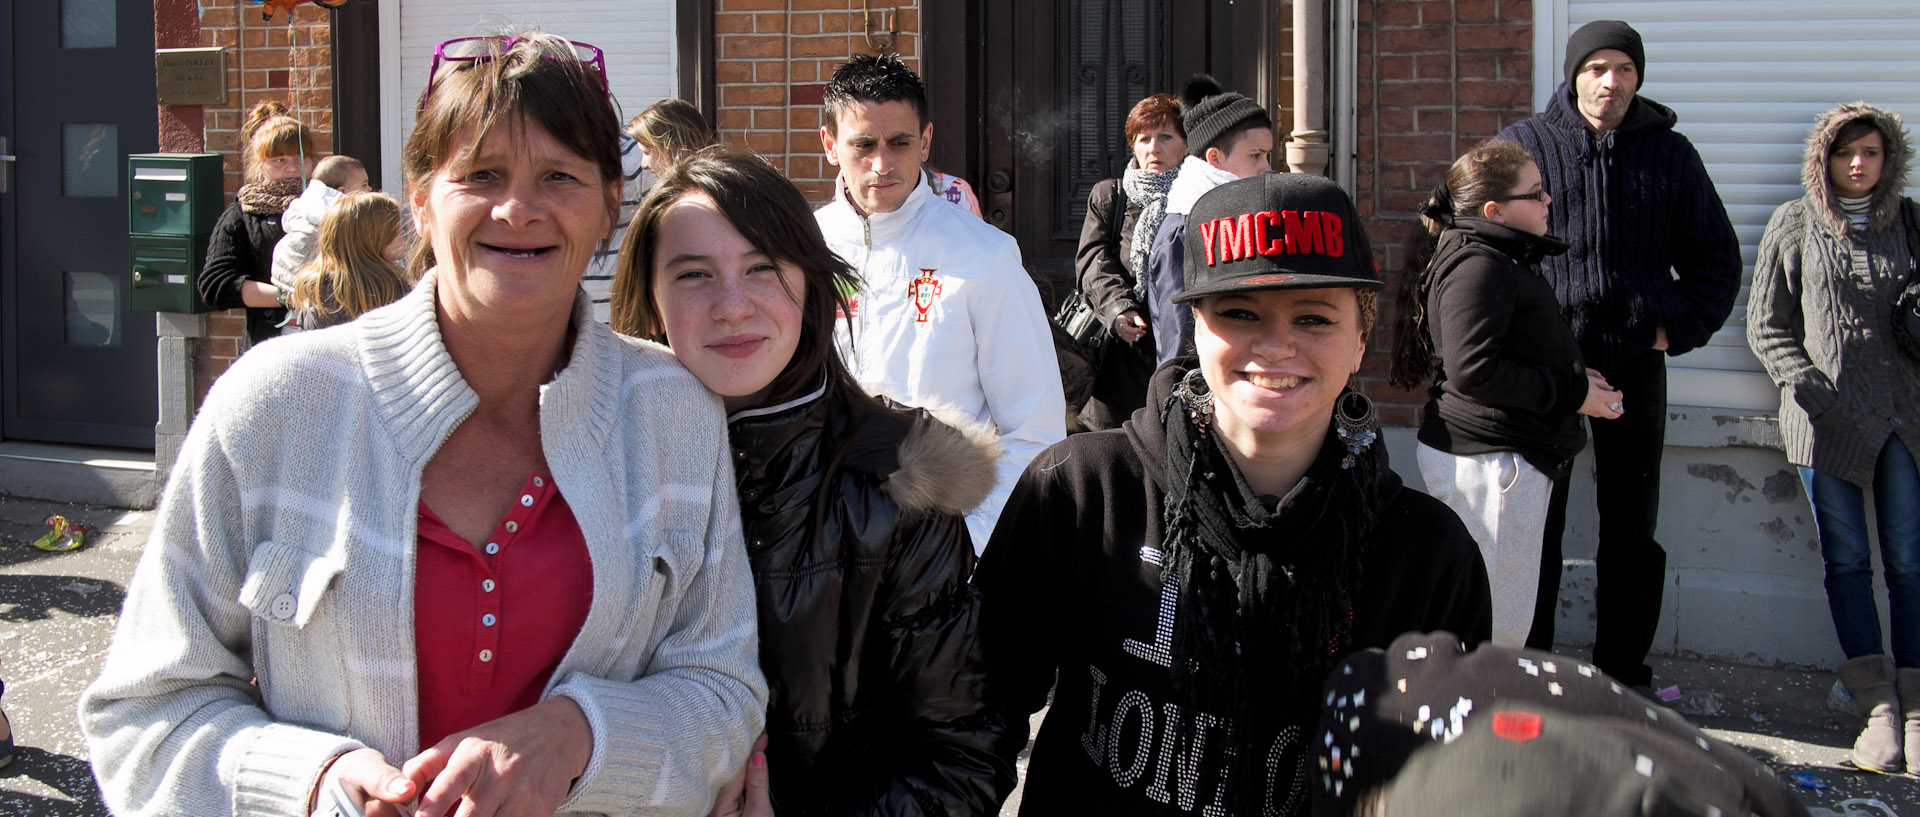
(598, 60)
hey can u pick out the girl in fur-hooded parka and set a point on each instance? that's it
(1831, 266)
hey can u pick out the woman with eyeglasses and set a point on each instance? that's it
(472, 552)
(1502, 421)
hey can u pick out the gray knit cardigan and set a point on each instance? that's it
(284, 551)
(1820, 313)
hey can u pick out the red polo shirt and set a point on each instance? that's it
(493, 621)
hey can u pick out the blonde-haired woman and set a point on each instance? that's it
(353, 270)
(238, 271)
(667, 131)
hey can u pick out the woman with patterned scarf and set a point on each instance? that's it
(1191, 577)
(1113, 253)
(280, 152)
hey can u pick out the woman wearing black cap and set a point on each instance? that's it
(1502, 421)
(1192, 576)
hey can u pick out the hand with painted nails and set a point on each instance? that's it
(746, 794)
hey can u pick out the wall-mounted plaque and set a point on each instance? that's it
(190, 76)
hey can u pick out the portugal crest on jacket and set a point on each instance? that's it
(923, 292)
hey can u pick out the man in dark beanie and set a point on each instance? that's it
(1652, 270)
(1228, 137)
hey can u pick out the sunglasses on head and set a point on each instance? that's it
(481, 49)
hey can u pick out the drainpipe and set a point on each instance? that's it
(1307, 146)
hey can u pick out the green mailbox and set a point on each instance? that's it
(163, 269)
(175, 198)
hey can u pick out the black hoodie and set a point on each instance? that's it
(1510, 376)
(1071, 583)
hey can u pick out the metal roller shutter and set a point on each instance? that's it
(1747, 78)
(635, 35)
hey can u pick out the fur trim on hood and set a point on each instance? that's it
(944, 467)
(1893, 175)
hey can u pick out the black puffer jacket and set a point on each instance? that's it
(855, 527)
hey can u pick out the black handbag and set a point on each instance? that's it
(1906, 308)
(1076, 316)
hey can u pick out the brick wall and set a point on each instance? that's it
(266, 60)
(771, 65)
(1435, 78)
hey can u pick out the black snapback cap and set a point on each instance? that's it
(1275, 231)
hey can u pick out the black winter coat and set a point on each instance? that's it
(1650, 242)
(1071, 583)
(1510, 376)
(856, 532)
(241, 249)
(1100, 264)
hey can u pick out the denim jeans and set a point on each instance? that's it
(1840, 514)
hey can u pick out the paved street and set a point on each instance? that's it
(57, 613)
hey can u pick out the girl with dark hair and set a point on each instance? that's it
(1112, 258)
(1183, 584)
(854, 508)
(1831, 265)
(1502, 422)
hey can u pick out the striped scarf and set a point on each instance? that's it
(1149, 190)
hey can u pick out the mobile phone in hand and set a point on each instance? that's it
(335, 801)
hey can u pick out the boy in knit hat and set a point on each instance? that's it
(1228, 137)
(1652, 269)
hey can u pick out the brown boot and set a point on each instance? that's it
(1907, 681)
(1869, 679)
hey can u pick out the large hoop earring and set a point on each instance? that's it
(1357, 423)
(1197, 396)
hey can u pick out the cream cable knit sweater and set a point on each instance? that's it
(284, 551)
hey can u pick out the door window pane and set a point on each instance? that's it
(87, 24)
(90, 159)
(92, 309)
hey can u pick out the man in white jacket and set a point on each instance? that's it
(946, 317)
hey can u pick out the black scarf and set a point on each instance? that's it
(1265, 597)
